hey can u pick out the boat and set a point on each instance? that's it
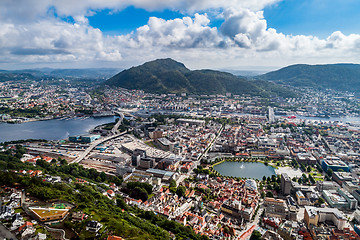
(242, 166)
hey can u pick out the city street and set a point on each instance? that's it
(6, 234)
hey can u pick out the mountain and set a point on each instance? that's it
(170, 76)
(12, 76)
(243, 73)
(46, 73)
(342, 77)
(91, 73)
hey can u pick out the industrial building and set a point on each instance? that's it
(164, 144)
(314, 216)
(334, 165)
(341, 177)
(326, 185)
(84, 138)
(340, 199)
(147, 163)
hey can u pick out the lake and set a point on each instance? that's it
(245, 169)
(55, 129)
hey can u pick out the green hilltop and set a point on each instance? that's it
(341, 77)
(170, 76)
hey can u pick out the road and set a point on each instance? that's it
(61, 231)
(254, 222)
(94, 144)
(6, 234)
(116, 126)
(210, 145)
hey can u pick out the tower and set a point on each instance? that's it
(271, 115)
(285, 184)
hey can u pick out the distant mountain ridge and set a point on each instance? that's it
(10, 76)
(85, 73)
(342, 77)
(170, 76)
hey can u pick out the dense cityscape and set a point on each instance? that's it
(179, 120)
(219, 166)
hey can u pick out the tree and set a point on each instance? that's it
(269, 194)
(262, 194)
(121, 203)
(139, 193)
(172, 183)
(277, 187)
(312, 180)
(256, 235)
(264, 178)
(62, 161)
(321, 200)
(273, 178)
(308, 169)
(103, 176)
(172, 189)
(330, 172)
(226, 230)
(181, 191)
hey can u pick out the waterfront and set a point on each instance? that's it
(55, 129)
(245, 169)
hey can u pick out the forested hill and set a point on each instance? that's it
(170, 76)
(342, 77)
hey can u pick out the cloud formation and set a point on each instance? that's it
(31, 10)
(37, 33)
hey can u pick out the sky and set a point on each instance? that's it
(253, 35)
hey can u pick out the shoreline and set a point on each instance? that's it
(54, 118)
(216, 173)
(43, 129)
(250, 160)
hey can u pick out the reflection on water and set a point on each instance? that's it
(245, 169)
(50, 130)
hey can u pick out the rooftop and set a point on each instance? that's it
(48, 212)
(312, 211)
(335, 163)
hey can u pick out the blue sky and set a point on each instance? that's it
(308, 17)
(130, 18)
(127, 20)
(314, 17)
(231, 34)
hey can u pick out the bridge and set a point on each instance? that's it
(114, 130)
(126, 112)
(121, 114)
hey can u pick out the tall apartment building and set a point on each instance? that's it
(285, 184)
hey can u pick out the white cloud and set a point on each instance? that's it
(177, 33)
(27, 10)
(52, 40)
(30, 33)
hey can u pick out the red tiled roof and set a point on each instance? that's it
(114, 238)
(26, 224)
